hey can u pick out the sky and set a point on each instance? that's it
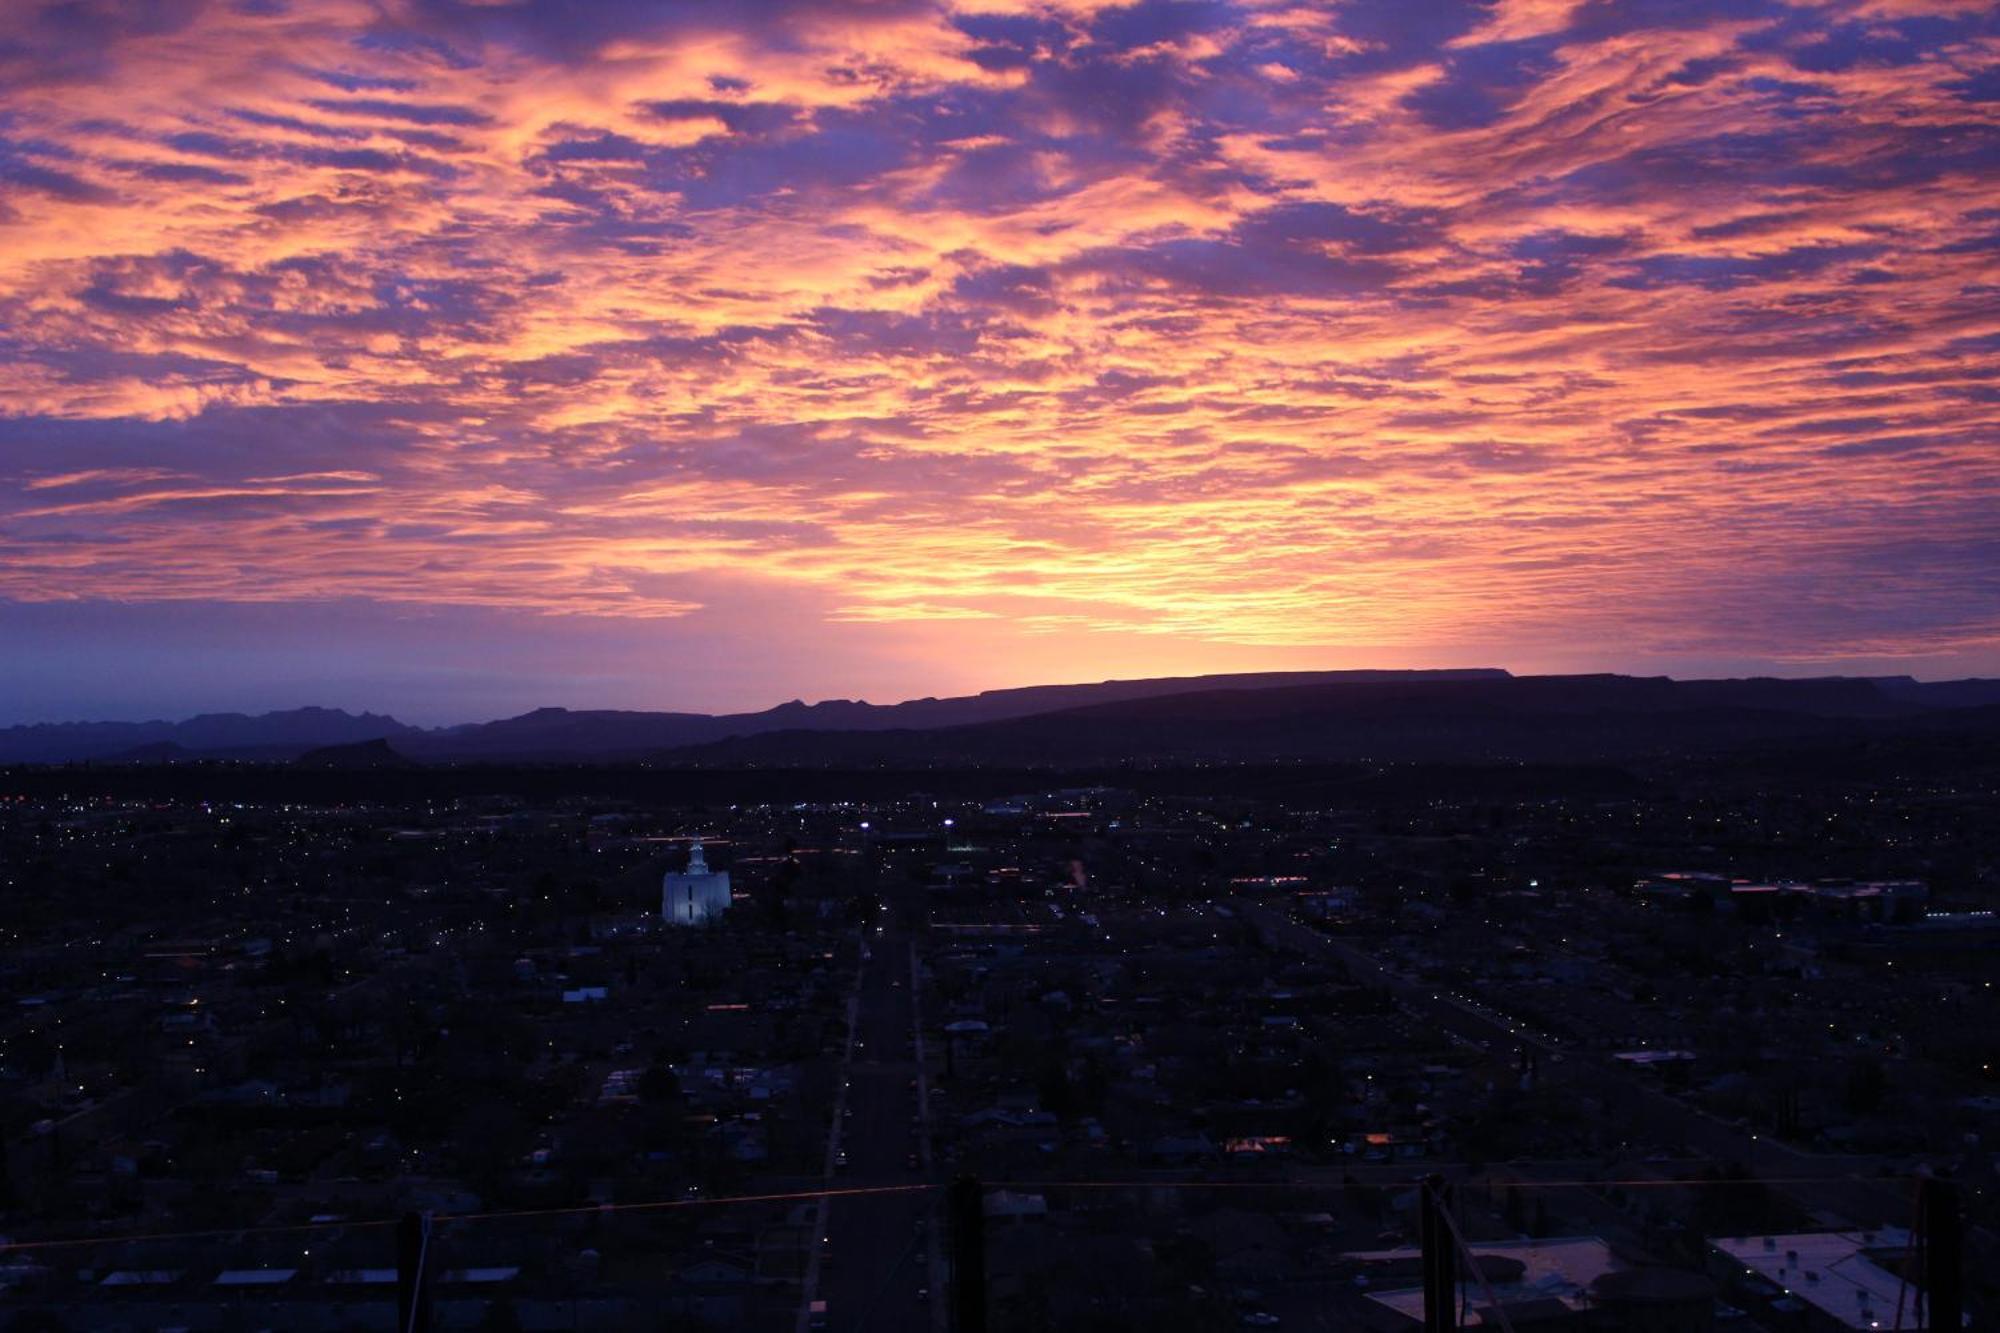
(451, 358)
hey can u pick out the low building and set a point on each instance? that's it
(1548, 1282)
(1835, 1279)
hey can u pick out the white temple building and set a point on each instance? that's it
(692, 896)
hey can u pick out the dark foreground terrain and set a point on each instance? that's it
(1197, 1029)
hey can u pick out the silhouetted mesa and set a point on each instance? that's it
(1449, 716)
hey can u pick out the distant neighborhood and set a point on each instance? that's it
(1677, 1055)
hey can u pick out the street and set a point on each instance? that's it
(875, 1253)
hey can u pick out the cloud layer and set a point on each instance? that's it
(1489, 329)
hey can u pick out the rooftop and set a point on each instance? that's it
(1559, 1268)
(1831, 1271)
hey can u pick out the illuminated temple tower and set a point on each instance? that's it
(692, 896)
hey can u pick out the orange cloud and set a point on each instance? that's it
(1260, 326)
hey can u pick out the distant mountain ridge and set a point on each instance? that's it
(557, 732)
(280, 735)
(1565, 719)
(1475, 713)
(561, 733)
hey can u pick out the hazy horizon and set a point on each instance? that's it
(429, 720)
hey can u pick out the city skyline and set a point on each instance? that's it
(451, 359)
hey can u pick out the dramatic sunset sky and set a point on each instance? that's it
(454, 358)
